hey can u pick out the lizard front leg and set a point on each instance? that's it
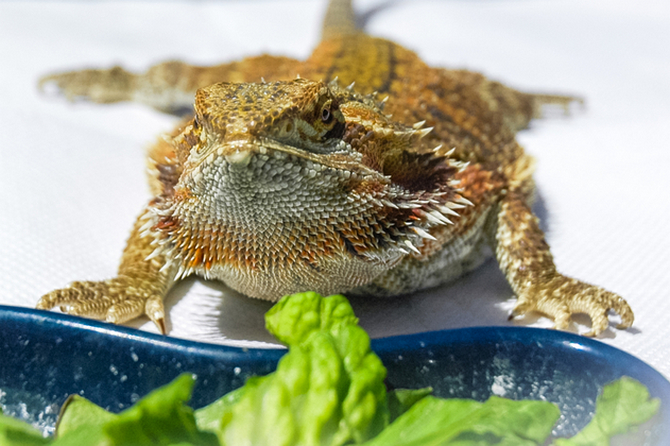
(139, 287)
(169, 86)
(525, 259)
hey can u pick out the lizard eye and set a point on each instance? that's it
(326, 115)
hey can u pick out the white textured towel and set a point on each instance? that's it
(72, 177)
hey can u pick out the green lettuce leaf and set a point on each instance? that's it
(623, 404)
(294, 317)
(77, 411)
(19, 433)
(434, 421)
(81, 423)
(209, 418)
(327, 390)
(160, 418)
(400, 400)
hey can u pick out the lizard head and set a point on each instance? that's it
(306, 124)
(289, 186)
(241, 119)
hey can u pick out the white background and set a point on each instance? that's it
(72, 177)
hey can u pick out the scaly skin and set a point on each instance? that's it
(288, 184)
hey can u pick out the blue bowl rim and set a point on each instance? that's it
(657, 384)
(478, 334)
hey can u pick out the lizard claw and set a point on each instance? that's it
(155, 310)
(561, 297)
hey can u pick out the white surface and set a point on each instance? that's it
(72, 176)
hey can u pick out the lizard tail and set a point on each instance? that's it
(340, 20)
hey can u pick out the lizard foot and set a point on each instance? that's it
(561, 297)
(115, 300)
(101, 86)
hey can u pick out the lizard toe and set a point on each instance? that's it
(558, 312)
(624, 311)
(596, 303)
(50, 300)
(124, 311)
(522, 307)
(599, 323)
(78, 299)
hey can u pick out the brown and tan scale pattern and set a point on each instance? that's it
(404, 180)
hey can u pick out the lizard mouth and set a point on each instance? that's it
(277, 182)
(336, 155)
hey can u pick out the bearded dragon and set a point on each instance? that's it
(282, 180)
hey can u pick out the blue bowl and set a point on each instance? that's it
(48, 356)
